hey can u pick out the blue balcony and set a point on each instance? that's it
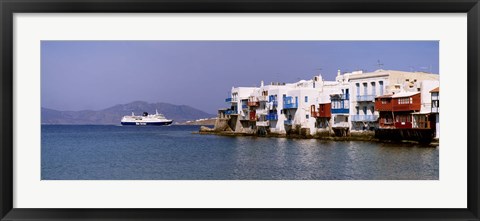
(271, 117)
(366, 98)
(228, 99)
(290, 106)
(340, 97)
(288, 122)
(340, 111)
(229, 112)
(244, 106)
(289, 103)
(364, 118)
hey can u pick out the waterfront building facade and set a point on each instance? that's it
(355, 101)
(366, 87)
(395, 111)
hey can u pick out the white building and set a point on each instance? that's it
(365, 87)
(282, 107)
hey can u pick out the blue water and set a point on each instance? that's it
(174, 153)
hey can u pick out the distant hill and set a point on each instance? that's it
(112, 115)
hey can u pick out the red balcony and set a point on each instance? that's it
(253, 103)
(403, 120)
(324, 110)
(398, 102)
(384, 103)
(253, 116)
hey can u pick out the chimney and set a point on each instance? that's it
(261, 83)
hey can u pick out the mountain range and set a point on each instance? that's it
(112, 115)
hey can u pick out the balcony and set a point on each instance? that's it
(366, 98)
(289, 103)
(324, 110)
(365, 118)
(230, 112)
(271, 117)
(340, 111)
(253, 116)
(230, 99)
(383, 104)
(288, 122)
(244, 106)
(253, 103)
(290, 106)
(262, 123)
(340, 97)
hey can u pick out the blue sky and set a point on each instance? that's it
(81, 75)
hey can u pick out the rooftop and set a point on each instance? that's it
(437, 89)
(404, 94)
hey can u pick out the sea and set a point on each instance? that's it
(109, 152)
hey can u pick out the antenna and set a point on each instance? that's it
(379, 64)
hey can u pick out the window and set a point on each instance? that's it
(380, 84)
(365, 88)
(405, 100)
(306, 116)
(306, 99)
(385, 101)
(357, 85)
(373, 88)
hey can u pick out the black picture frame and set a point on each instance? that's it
(9, 7)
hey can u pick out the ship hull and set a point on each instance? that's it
(147, 123)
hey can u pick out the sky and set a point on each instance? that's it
(93, 75)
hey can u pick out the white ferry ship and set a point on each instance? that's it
(146, 119)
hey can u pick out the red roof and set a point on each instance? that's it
(385, 96)
(437, 89)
